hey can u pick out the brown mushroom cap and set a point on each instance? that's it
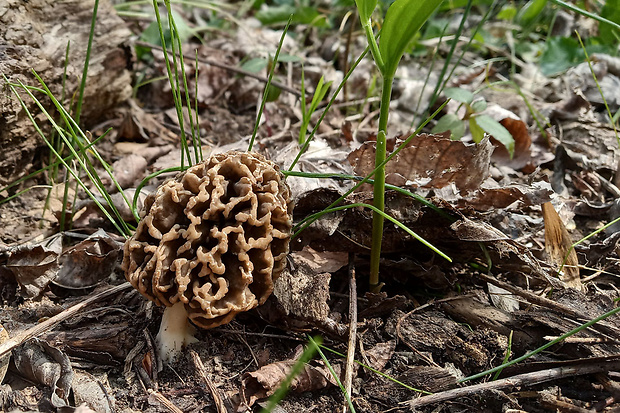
(215, 238)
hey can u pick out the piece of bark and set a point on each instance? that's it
(34, 35)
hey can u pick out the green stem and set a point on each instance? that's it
(374, 47)
(379, 186)
(89, 47)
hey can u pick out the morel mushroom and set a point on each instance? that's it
(210, 244)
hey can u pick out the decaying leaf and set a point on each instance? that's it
(302, 292)
(488, 198)
(558, 245)
(35, 265)
(89, 394)
(503, 299)
(379, 355)
(520, 134)
(129, 170)
(88, 263)
(266, 380)
(468, 230)
(431, 161)
(41, 363)
(321, 261)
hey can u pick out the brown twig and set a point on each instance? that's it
(525, 379)
(226, 67)
(217, 398)
(164, 401)
(58, 318)
(348, 372)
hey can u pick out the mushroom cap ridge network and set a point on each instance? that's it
(215, 238)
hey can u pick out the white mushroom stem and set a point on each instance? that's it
(175, 333)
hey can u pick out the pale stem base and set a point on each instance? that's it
(175, 333)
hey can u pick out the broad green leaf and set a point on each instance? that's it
(151, 33)
(477, 133)
(402, 21)
(365, 9)
(508, 12)
(460, 95)
(560, 54)
(255, 65)
(610, 11)
(530, 12)
(452, 123)
(478, 105)
(499, 132)
(273, 94)
(301, 15)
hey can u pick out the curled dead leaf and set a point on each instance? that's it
(88, 263)
(41, 363)
(35, 265)
(430, 161)
(265, 381)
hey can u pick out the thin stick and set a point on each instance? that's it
(525, 379)
(164, 401)
(228, 68)
(348, 372)
(217, 398)
(58, 318)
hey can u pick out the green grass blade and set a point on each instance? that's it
(327, 107)
(89, 47)
(136, 196)
(305, 357)
(586, 13)
(392, 379)
(383, 215)
(544, 347)
(347, 396)
(268, 85)
(58, 156)
(174, 81)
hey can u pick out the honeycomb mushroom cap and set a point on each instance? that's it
(214, 238)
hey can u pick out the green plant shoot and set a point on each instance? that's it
(478, 123)
(402, 22)
(306, 112)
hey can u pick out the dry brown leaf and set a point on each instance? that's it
(321, 261)
(302, 292)
(430, 161)
(489, 198)
(468, 230)
(379, 355)
(41, 363)
(89, 262)
(35, 265)
(266, 380)
(129, 170)
(558, 245)
(429, 378)
(520, 134)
